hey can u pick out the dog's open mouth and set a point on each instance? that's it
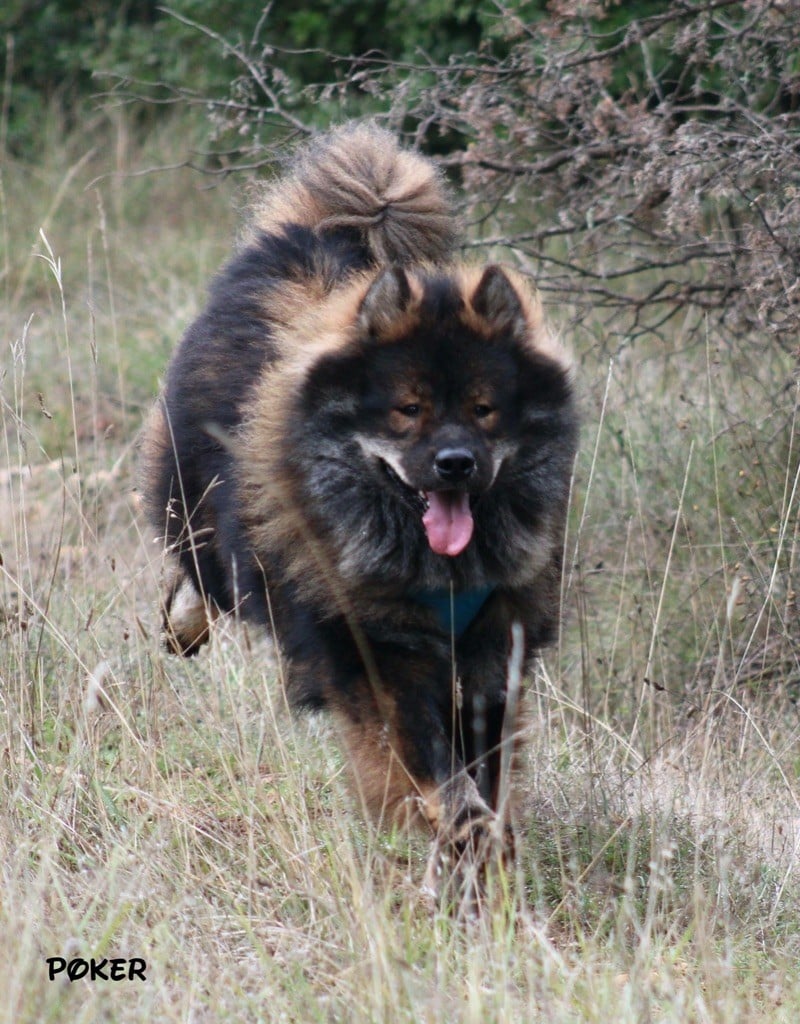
(446, 515)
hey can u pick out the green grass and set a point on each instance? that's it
(176, 812)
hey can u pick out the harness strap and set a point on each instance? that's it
(457, 616)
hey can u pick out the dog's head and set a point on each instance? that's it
(444, 381)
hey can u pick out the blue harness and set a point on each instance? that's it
(455, 612)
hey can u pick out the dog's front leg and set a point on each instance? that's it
(469, 838)
(406, 770)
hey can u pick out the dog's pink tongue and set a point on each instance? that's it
(448, 521)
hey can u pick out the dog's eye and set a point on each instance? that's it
(482, 410)
(411, 410)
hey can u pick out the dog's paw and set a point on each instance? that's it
(461, 861)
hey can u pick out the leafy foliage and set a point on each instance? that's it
(637, 160)
(59, 50)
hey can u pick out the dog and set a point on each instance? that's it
(366, 446)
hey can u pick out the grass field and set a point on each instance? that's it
(175, 813)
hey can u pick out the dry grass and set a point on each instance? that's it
(175, 812)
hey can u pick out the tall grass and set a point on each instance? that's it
(176, 812)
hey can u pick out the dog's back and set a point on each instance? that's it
(351, 201)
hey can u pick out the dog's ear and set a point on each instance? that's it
(496, 300)
(388, 298)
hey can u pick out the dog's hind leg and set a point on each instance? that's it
(186, 615)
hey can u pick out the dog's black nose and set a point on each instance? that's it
(454, 465)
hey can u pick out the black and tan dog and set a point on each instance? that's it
(367, 447)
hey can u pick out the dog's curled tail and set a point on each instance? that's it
(358, 177)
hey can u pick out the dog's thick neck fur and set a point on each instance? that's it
(300, 480)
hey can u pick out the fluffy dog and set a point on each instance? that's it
(367, 447)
